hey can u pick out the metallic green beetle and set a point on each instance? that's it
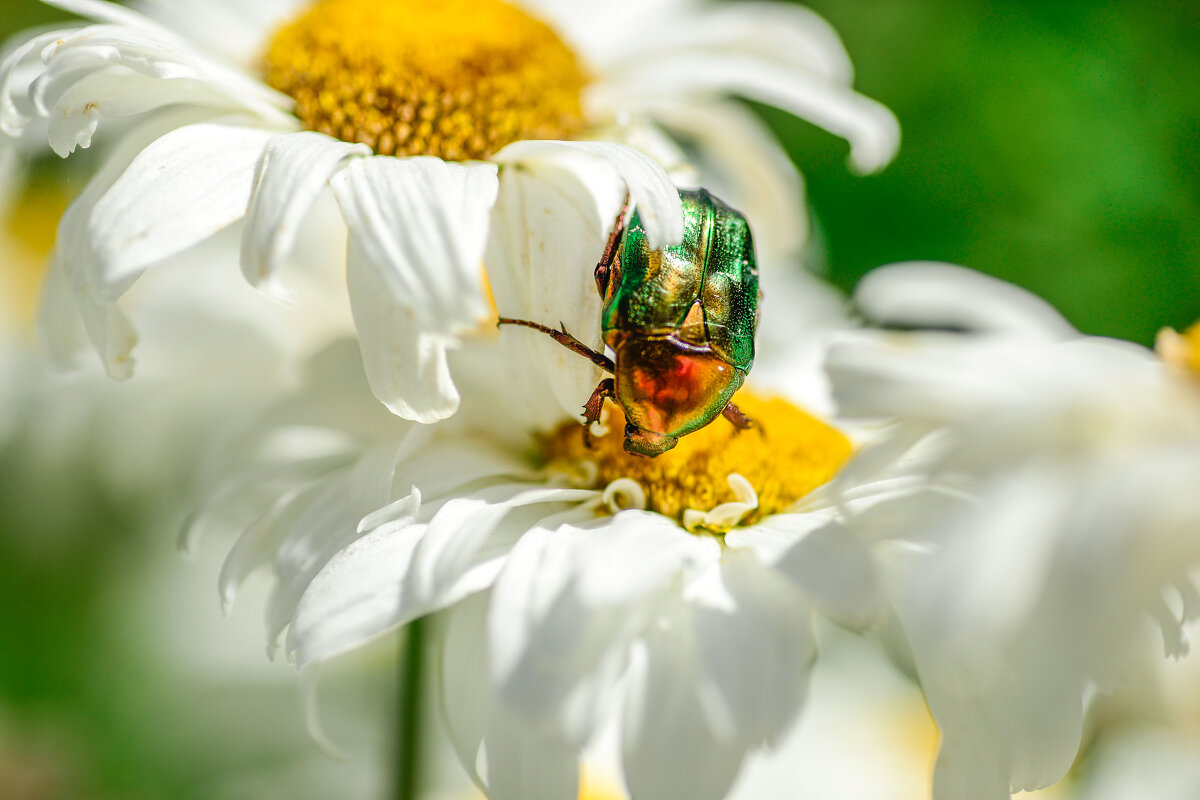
(680, 321)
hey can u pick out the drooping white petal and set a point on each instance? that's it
(14, 77)
(669, 748)
(772, 32)
(935, 295)
(117, 91)
(72, 261)
(744, 164)
(139, 69)
(182, 188)
(417, 232)
(869, 127)
(293, 170)
(651, 190)
(549, 228)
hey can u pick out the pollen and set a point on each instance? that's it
(457, 79)
(717, 469)
(1180, 349)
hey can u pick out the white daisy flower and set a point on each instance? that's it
(408, 111)
(578, 583)
(1081, 456)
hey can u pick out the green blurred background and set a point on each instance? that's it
(1053, 144)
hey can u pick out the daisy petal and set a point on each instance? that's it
(463, 686)
(180, 190)
(293, 170)
(543, 272)
(455, 534)
(119, 92)
(652, 192)
(871, 129)
(526, 763)
(107, 327)
(834, 567)
(935, 295)
(558, 643)
(417, 232)
(745, 165)
(668, 747)
(755, 645)
(13, 120)
(401, 571)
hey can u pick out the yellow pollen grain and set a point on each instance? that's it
(786, 455)
(1180, 349)
(457, 79)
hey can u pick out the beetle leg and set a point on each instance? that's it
(566, 340)
(739, 420)
(591, 409)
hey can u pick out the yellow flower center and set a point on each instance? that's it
(716, 477)
(1180, 349)
(457, 79)
(27, 235)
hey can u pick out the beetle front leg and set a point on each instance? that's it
(735, 416)
(591, 409)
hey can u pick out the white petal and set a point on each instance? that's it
(549, 228)
(755, 651)
(325, 525)
(234, 30)
(651, 190)
(181, 189)
(451, 544)
(935, 295)
(743, 163)
(871, 129)
(417, 232)
(833, 566)
(566, 603)
(526, 762)
(13, 120)
(116, 91)
(669, 748)
(117, 71)
(294, 169)
(71, 264)
(463, 687)
(399, 572)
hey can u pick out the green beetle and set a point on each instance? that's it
(680, 321)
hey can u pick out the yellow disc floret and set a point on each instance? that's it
(1180, 349)
(786, 455)
(458, 79)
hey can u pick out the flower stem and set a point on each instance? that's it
(408, 711)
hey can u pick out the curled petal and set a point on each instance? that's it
(417, 232)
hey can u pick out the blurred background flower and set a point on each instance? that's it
(1052, 145)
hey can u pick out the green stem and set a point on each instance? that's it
(408, 711)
